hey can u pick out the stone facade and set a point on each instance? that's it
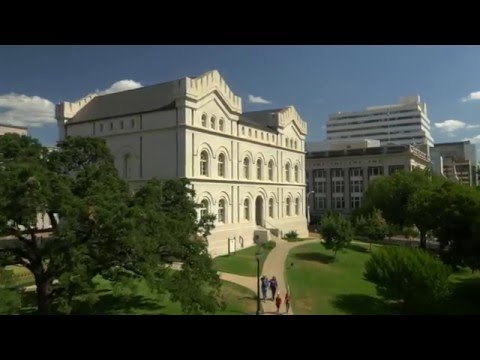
(247, 168)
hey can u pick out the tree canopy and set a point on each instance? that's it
(103, 229)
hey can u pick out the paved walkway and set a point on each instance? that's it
(274, 265)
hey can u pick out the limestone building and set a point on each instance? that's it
(248, 168)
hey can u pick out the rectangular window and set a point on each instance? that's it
(320, 187)
(356, 186)
(355, 202)
(338, 187)
(375, 171)
(337, 173)
(320, 173)
(338, 202)
(356, 172)
(320, 203)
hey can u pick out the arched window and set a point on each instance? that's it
(297, 206)
(287, 172)
(246, 168)
(255, 134)
(270, 170)
(288, 206)
(259, 169)
(221, 165)
(295, 144)
(267, 137)
(295, 172)
(286, 142)
(205, 208)
(204, 120)
(270, 208)
(204, 163)
(221, 211)
(212, 122)
(246, 209)
(249, 132)
(262, 135)
(291, 143)
(243, 130)
(221, 125)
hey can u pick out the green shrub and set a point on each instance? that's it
(269, 245)
(10, 301)
(410, 276)
(291, 235)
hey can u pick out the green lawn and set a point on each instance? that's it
(321, 286)
(239, 301)
(242, 262)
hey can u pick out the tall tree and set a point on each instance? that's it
(103, 229)
(336, 231)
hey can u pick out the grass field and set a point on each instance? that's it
(321, 286)
(239, 301)
(242, 262)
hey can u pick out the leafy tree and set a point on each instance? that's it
(402, 197)
(103, 229)
(336, 231)
(371, 227)
(409, 275)
(458, 228)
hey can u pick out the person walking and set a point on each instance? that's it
(287, 301)
(278, 302)
(264, 285)
(273, 286)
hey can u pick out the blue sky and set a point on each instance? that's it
(317, 80)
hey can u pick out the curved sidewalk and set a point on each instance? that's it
(274, 265)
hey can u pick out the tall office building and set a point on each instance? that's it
(457, 161)
(403, 123)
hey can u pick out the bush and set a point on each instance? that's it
(269, 245)
(291, 235)
(10, 301)
(409, 275)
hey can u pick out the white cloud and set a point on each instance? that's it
(121, 85)
(23, 110)
(449, 126)
(474, 140)
(472, 96)
(34, 111)
(257, 100)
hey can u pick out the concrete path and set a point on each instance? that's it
(274, 265)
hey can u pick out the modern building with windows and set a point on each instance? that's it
(248, 168)
(402, 123)
(457, 161)
(338, 174)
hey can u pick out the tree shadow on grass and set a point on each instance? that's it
(315, 256)
(357, 248)
(465, 298)
(114, 304)
(359, 304)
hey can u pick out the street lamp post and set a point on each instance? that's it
(257, 255)
(308, 206)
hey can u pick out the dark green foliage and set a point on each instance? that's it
(372, 227)
(291, 235)
(269, 245)
(104, 230)
(408, 275)
(336, 231)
